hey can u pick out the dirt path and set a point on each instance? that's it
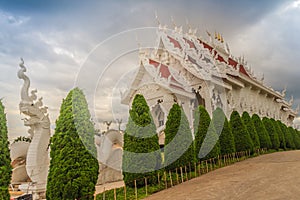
(271, 176)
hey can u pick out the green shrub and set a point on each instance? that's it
(280, 134)
(73, 169)
(142, 155)
(295, 136)
(179, 149)
(298, 138)
(226, 139)
(262, 133)
(251, 130)
(272, 133)
(288, 136)
(206, 138)
(242, 138)
(5, 167)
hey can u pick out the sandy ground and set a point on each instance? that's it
(271, 176)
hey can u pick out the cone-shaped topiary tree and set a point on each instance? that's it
(142, 155)
(263, 135)
(297, 144)
(226, 138)
(206, 138)
(289, 142)
(251, 130)
(242, 138)
(279, 133)
(295, 136)
(179, 148)
(272, 133)
(73, 169)
(5, 167)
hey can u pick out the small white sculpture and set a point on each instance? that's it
(110, 150)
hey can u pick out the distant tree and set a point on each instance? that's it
(141, 157)
(242, 138)
(279, 133)
(251, 130)
(264, 138)
(179, 148)
(296, 137)
(226, 138)
(272, 133)
(206, 139)
(73, 169)
(5, 166)
(288, 136)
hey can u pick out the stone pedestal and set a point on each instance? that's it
(38, 191)
(108, 175)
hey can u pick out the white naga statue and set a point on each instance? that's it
(37, 161)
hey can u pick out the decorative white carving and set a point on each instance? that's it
(297, 109)
(39, 123)
(291, 101)
(283, 92)
(191, 66)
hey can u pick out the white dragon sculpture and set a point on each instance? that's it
(37, 162)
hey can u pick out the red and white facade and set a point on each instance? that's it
(191, 71)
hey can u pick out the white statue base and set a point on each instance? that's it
(38, 191)
(110, 151)
(108, 175)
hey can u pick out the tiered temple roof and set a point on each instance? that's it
(209, 60)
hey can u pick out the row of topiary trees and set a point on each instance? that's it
(74, 169)
(212, 137)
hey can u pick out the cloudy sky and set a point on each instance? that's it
(57, 38)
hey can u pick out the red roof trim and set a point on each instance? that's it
(205, 45)
(175, 42)
(232, 62)
(221, 59)
(243, 71)
(191, 44)
(164, 70)
(154, 63)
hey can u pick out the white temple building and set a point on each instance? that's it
(187, 69)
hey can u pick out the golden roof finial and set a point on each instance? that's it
(219, 37)
(222, 39)
(216, 36)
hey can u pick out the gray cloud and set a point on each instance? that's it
(55, 38)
